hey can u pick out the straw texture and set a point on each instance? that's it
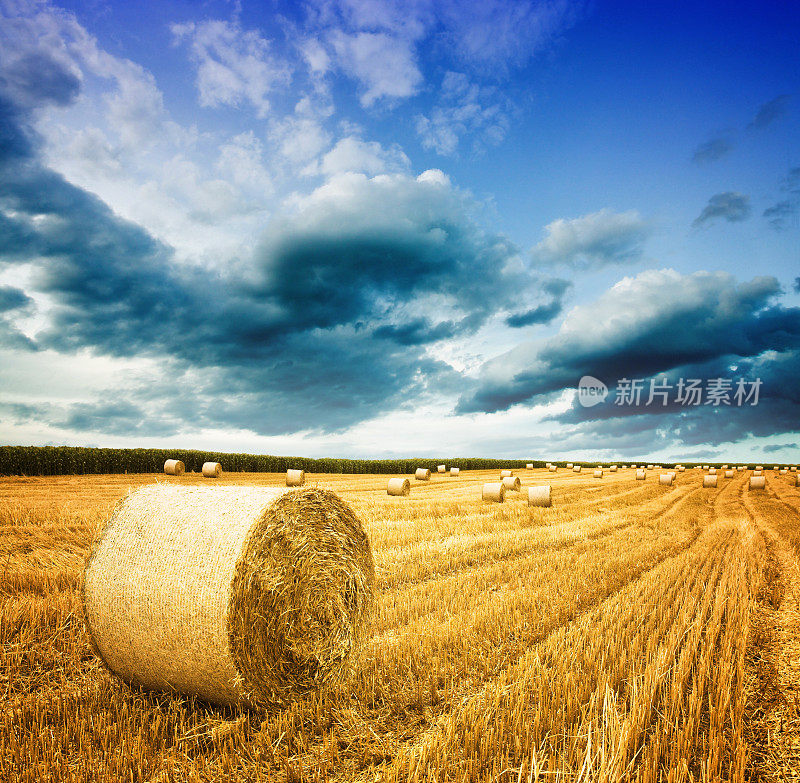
(494, 491)
(422, 474)
(238, 595)
(295, 478)
(710, 480)
(758, 482)
(212, 469)
(512, 483)
(174, 467)
(398, 486)
(540, 496)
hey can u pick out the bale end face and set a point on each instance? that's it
(422, 474)
(212, 469)
(174, 467)
(295, 478)
(512, 483)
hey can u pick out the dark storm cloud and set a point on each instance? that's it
(770, 111)
(546, 312)
(797, 285)
(730, 206)
(13, 299)
(36, 79)
(326, 329)
(712, 150)
(779, 215)
(650, 324)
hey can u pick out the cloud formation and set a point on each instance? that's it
(730, 206)
(546, 312)
(712, 150)
(770, 111)
(594, 240)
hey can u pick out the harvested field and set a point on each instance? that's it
(632, 631)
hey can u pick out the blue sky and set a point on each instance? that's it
(375, 228)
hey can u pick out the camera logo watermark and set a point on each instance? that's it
(591, 391)
(686, 392)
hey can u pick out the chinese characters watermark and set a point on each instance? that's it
(657, 392)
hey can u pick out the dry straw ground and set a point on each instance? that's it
(631, 632)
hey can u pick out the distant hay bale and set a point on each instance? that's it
(783, 470)
(212, 469)
(598, 473)
(757, 472)
(666, 479)
(681, 468)
(506, 473)
(612, 469)
(570, 465)
(777, 467)
(728, 474)
(295, 478)
(422, 474)
(710, 480)
(398, 486)
(712, 471)
(553, 468)
(529, 466)
(441, 468)
(650, 467)
(705, 467)
(512, 483)
(494, 491)
(174, 467)
(759, 467)
(576, 468)
(455, 471)
(540, 496)
(758, 482)
(640, 474)
(237, 595)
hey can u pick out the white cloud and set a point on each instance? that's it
(233, 65)
(241, 160)
(596, 239)
(368, 157)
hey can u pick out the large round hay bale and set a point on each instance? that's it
(295, 478)
(758, 482)
(710, 480)
(529, 466)
(512, 483)
(398, 486)
(613, 469)
(712, 471)
(640, 474)
(506, 473)
(728, 474)
(598, 473)
(422, 474)
(540, 496)
(441, 468)
(174, 467)
(553, 468)
(576, 468)
(212, 469)
(237, 595)
(494, 491)
(570, 465)
(666, 479)
(455, 471)
(681, 468)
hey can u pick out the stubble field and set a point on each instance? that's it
(630, 632)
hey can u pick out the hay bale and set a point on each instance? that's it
(295, 478)
(441, 468)
(797, 479)
(757, 472)
(728, 474)
(712, 471)
(576, 468)
(783, 470)
(506, 473)
(666, 479)
(553, 468)
(212, 469)
(422, 474)
(570, 465)
(613, 469)
(758, 482)
(710, 480)
(777, 467)
(529, 466)
(681, 468)
(598, 473)
(494, 491)
(540, 496)
(512, 483)
(398, 486)
(759, 467)
(174, 467)
(640, 474)
(237, 595)
(455, 471)
(650, 467)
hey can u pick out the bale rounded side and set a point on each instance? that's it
(422, 474)
(441, 468)
(295, 478)
(174, 467)
(640, 474)
(598, 473)
(212, 469)
(666, 479)
(398, 487)
(237, 595)
(710, 480)
(506, 473)
(758, 482)
(494, 491)
(576, 469)
(455, 471)
(540, 496)
(512, 483)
